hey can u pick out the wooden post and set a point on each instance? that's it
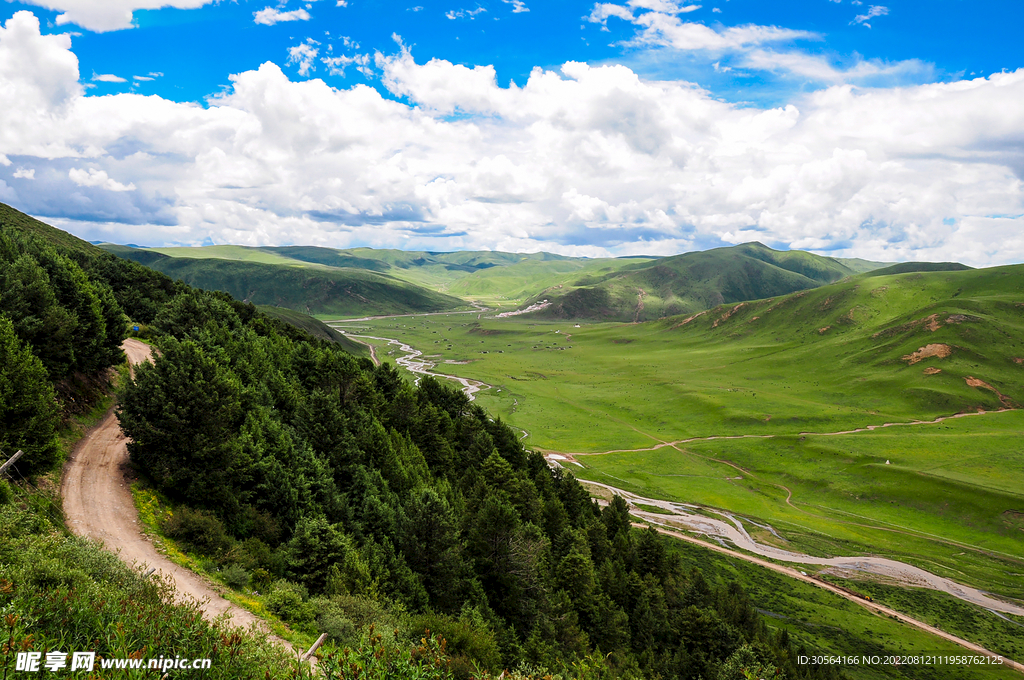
(10, 462)
(316, 645)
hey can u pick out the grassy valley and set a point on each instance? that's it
(743, 408)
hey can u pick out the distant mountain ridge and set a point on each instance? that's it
(320, 290)
(693, 282)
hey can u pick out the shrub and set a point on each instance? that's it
(289, 601)
(261, 579)
(197, 530)
(339, 629)
(62, 593)
(236, 576)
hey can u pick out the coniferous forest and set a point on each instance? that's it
(356, 503)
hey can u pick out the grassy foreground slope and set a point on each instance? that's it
(696, 281)
(309, 289)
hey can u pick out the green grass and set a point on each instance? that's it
(237, 253)
(485, 275)
(19, 220)
(309, 289)
(937, 505)
(825, 360)
(532, 278)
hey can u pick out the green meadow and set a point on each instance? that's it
(782, 373)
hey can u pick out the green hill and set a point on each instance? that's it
(695, 281)
(910, 267)
(313, 291)
(913, 342)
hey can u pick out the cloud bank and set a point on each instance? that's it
(584, 160)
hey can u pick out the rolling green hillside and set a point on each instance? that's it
(695, 281)
(312, 291)
(529, 277)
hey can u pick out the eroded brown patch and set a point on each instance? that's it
(726, 316)
(1014, 518)
(822, 331)
(1018, 360)
(1003, 399)
(688, 319)
(931, 370)
(930, 322)
(934, 350)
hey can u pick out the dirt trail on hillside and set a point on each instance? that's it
(98, 504)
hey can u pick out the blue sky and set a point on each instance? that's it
(888, 130)
(196, 49)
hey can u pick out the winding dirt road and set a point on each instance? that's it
(98, 504)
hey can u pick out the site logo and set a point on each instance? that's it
(34, 662)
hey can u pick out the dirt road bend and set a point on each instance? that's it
(98, 504)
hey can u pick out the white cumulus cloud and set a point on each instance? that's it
(22, 173)
(586, 160)
(304, 54)
(269, 16)
(97, 178)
